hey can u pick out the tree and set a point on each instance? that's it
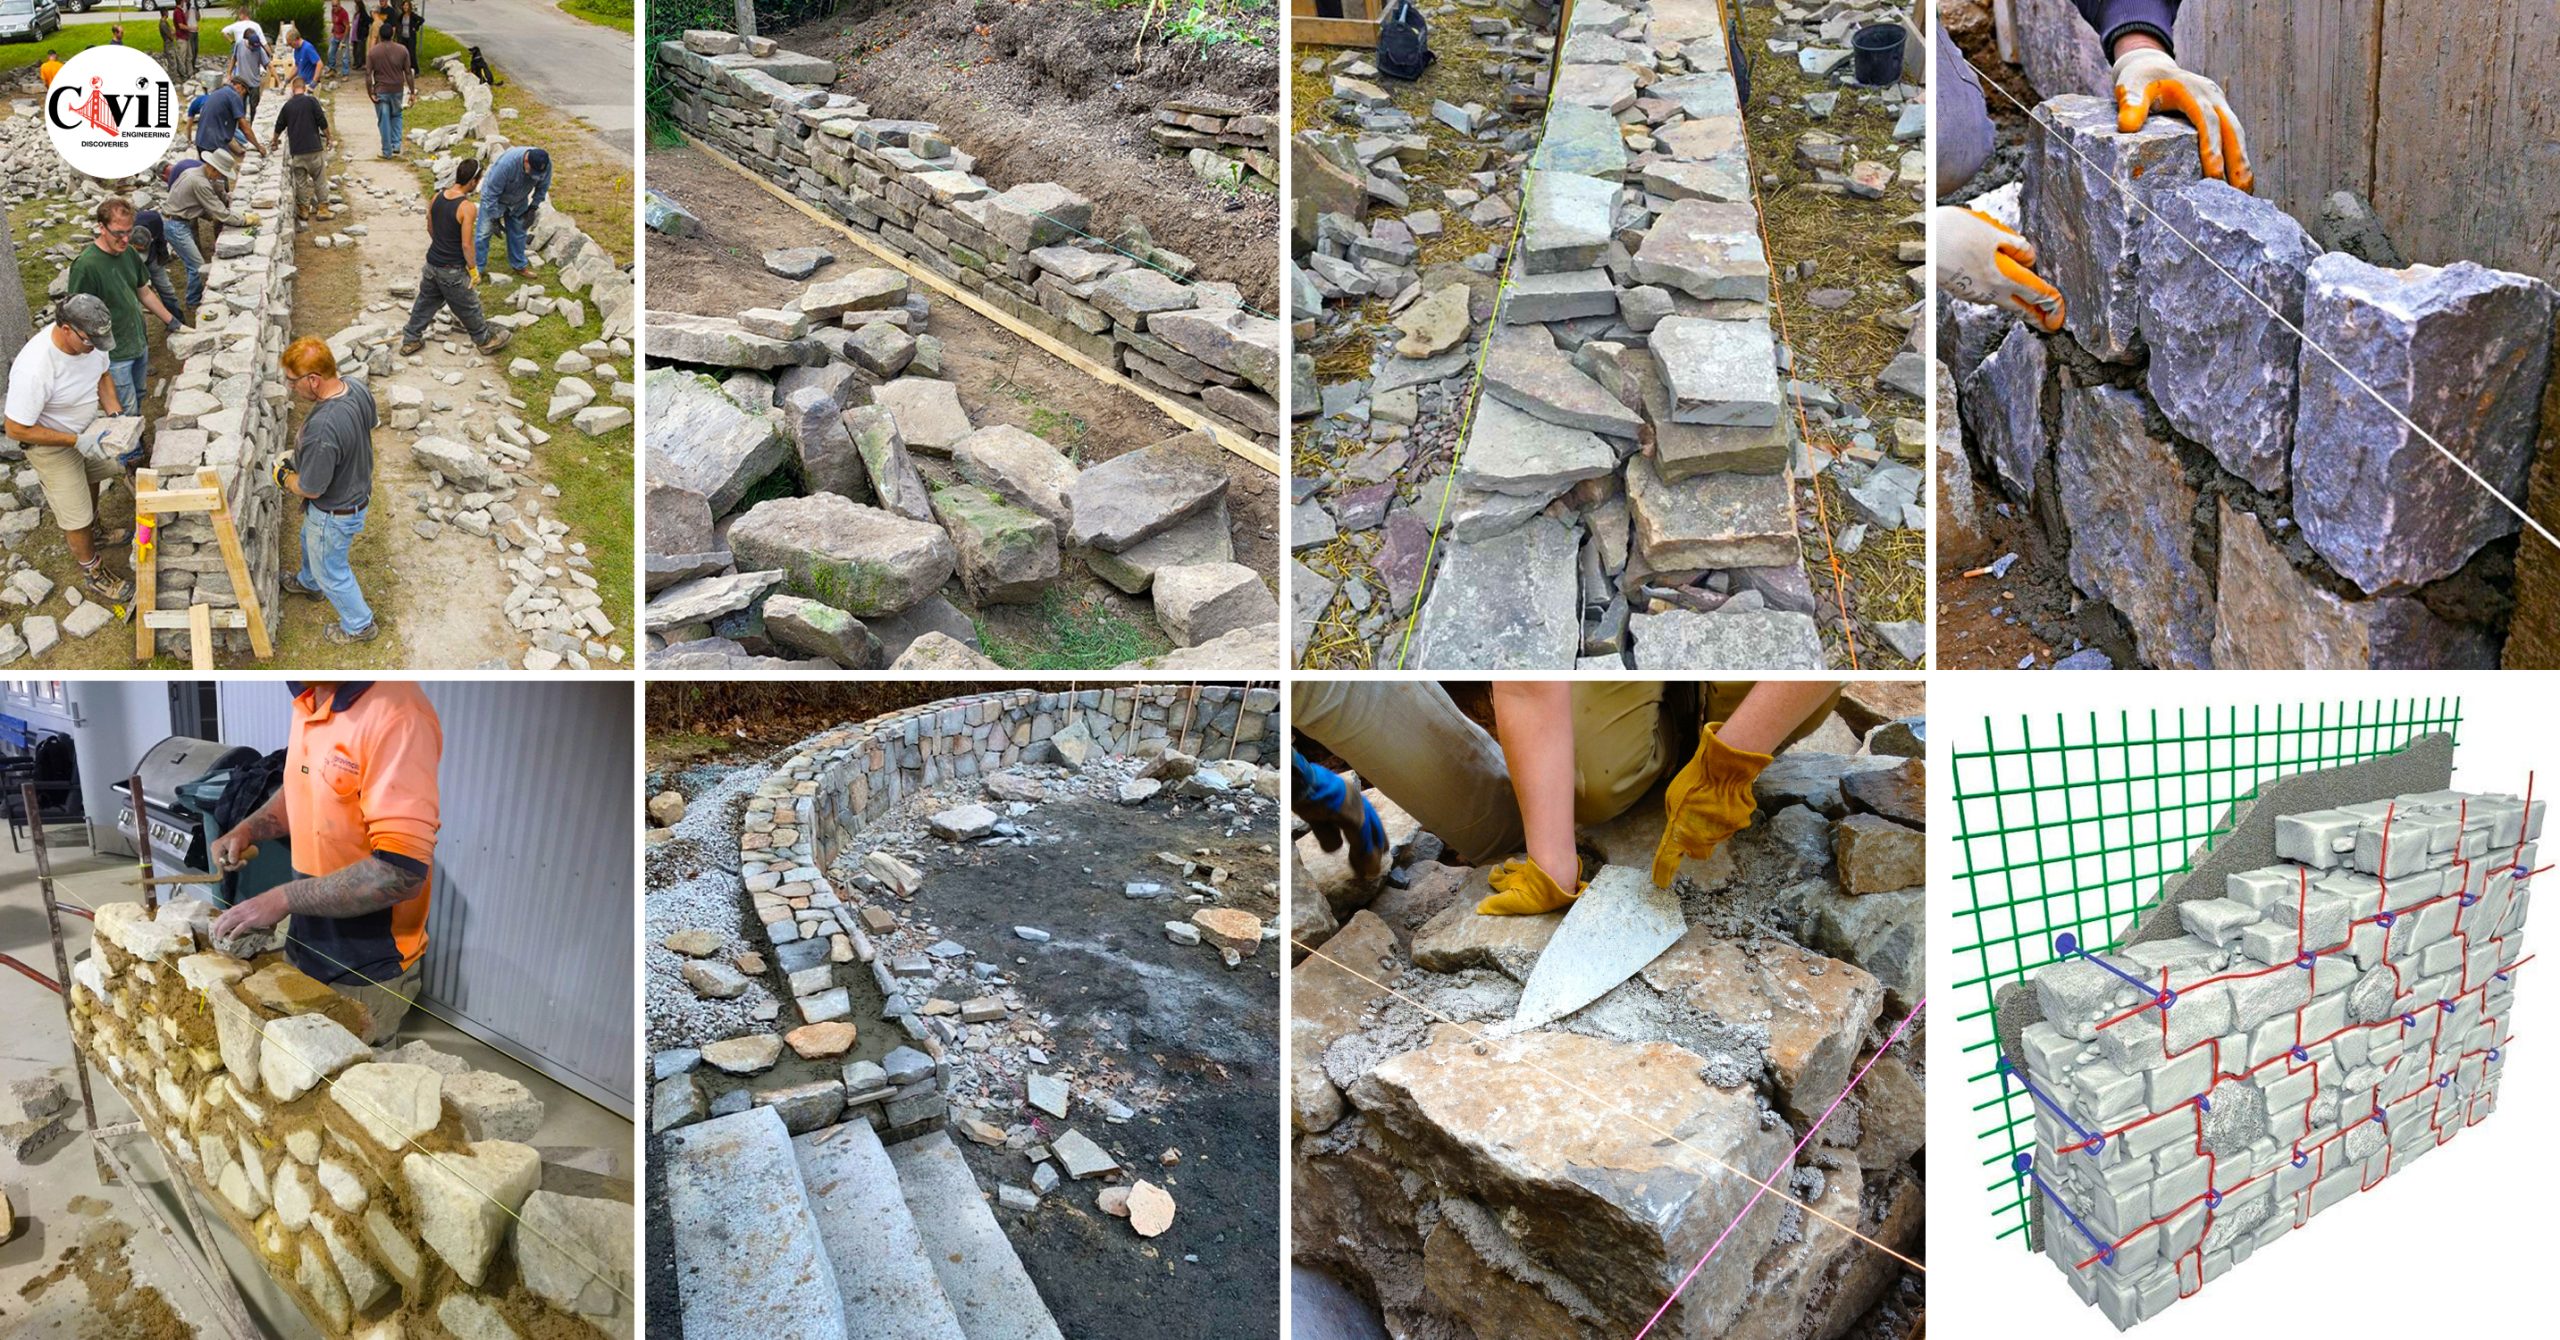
(17, 325)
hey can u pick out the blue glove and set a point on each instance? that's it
(1338, 814)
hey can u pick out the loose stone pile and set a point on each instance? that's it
(2318, 1023)
(1624, 494)
(381, 1191)
(2234, 496)
(1226, 143)
(1496, 1188)
(818, 853)
(1029, 250)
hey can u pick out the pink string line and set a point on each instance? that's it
(1898, 1029)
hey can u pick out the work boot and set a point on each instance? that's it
(338, 633)
(293, 586)
(410, 347)
(499, 339)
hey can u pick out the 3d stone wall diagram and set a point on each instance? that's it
(2319, 1003)
(2216, 438)
(387, 1193)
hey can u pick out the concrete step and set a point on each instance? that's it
(750, 1264)
(889, 1289)
(980, 1274)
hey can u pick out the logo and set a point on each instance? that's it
(110, 112)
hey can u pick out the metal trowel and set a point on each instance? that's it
(1617, 926)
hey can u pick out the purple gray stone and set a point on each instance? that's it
(1707, 250)
(2131, 516)
(1741, 640)
(2083, 176)
(2223, 367)
(1719, 372)
(700, 440)
(2465, 352)
(1511, 452)
(1568, 222)
(1510, 602)
(1523, 368)
(2272, 616)
(2004, 407)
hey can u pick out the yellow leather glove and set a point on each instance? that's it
(1981, 260)
(1710, 800)
(2147, 77)
(1521, 889)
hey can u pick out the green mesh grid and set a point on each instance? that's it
(2075, 823)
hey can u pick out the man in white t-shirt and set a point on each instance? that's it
(57, 386)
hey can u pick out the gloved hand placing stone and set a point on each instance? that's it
(282, 468)
(1981, 260)
(1521, 888)
(1710, 800)
(1338, 815)
(2148, 76)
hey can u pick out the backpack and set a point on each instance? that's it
(1404, 44)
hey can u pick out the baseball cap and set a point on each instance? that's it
(83, 312)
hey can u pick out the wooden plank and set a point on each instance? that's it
(1173, 409)
(173, 620)
(169, 501)
(1333, 32)
(200, 636)
(2301, 78)
(146, 575)
(237, 564)
(2467, 155)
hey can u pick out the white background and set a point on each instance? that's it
(2441, 1240)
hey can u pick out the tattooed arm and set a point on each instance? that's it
(369, 885)
(267, 825)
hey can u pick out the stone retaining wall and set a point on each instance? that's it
(1022, 250)
(378, 1190)
(1211, 134)
(585, 266)
(2337, 1014)
(227, 408)
(2238, 498)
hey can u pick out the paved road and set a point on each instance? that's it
(580, 68)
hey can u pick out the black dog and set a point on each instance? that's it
(480, 69)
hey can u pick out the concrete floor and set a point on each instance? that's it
(59, 1196)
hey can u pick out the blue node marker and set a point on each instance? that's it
(2408, 1021)
(2107, 1256)
(2066, 944)
(2443, 1080)
(2023, 1162)
(2303, 960)
(2445, 1005)
(2301, 1159)
(2493, 1053)
(2167, 999)
(2469, 898)
(2301, 1055)
(2385, 920)
(2377, 1118)
(2204, 1103)
(2212, 1199)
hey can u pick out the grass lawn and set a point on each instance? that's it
(1082, 634)
(608, 13)
(142, 33)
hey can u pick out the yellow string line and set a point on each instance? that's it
(1620, 1109)
(2411, 424)
(269, 1039)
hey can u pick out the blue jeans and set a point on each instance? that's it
(129, 376)
(182, 240)
(326, 538)
(339, 48)
(387, 113)
(516, 224)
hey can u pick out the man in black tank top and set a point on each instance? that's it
(448, 278)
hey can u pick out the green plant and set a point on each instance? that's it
(1204, 28)
(1083, 634)
(668, 21)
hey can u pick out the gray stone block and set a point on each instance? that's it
(2223, 366)
(2272, 616)
(1568, 222)
(1748, 640)
(2004, 407)
(2131, 514)
(2464, 351)
(1718, 372)
(1507, 602)
(2083, 176)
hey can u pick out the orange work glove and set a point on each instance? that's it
(1710, 800)
(1980, 260)
(2147, 77)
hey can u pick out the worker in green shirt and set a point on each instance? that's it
(110, 269)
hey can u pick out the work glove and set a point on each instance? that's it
(282, 467)
(1522, 888)
(1338, 815)
(2147, 77)
(475, 275)
(1981, 260)
(1710, 800)
(249, 220)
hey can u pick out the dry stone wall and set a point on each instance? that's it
(1224, 142)
(2325, 1021)
(817, 801)
(227, 408)
(2234, 494)
(387, 1194)
(1027, 250)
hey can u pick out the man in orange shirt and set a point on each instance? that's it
(358, 807)
(52, 66)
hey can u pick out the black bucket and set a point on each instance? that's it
(1876, 54)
